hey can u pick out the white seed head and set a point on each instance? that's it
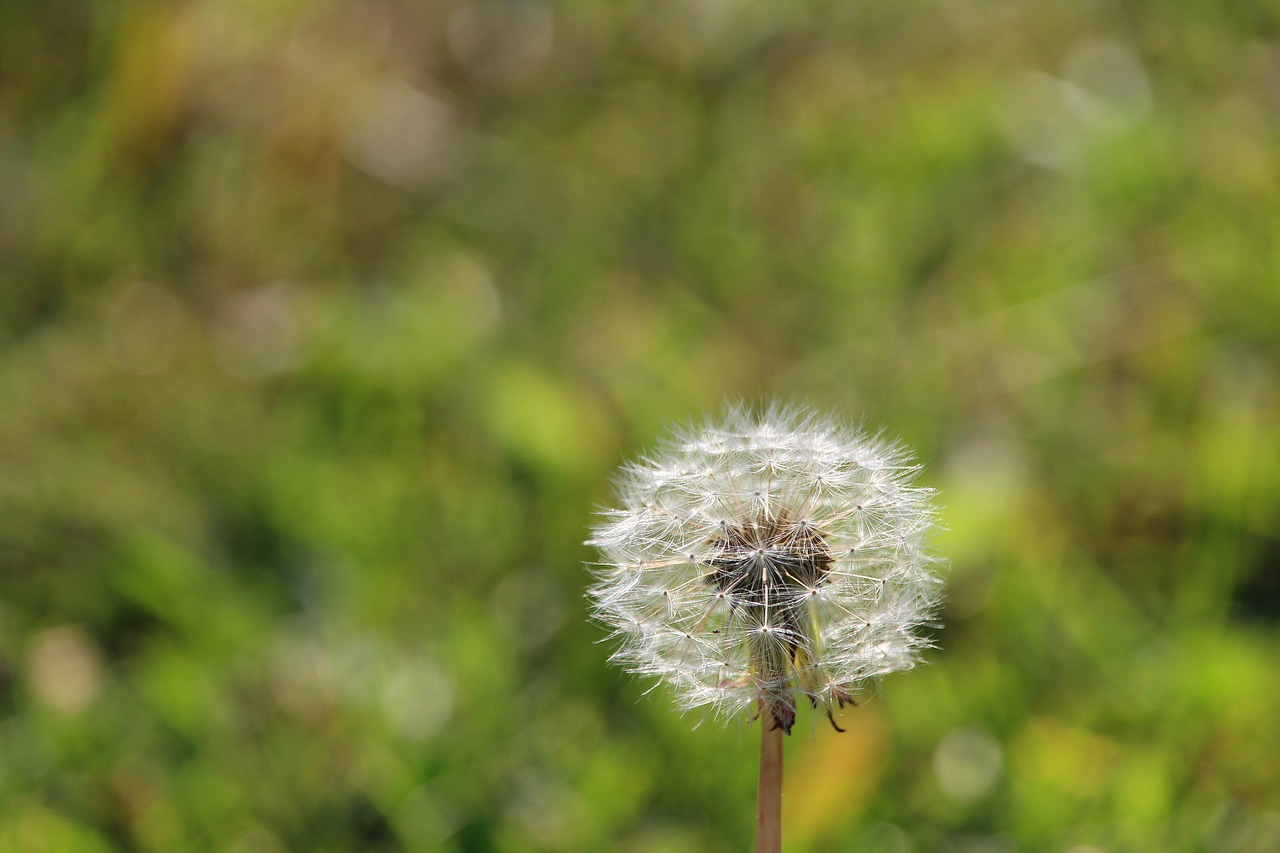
(773, 556)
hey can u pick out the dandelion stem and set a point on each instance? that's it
(769, 803)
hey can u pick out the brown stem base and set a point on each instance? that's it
(769, 802)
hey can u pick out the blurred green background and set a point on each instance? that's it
(324, 325)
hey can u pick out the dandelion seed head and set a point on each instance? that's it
(767, 559)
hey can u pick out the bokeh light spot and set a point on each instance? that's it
(967, 763)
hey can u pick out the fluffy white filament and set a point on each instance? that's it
(772, 557)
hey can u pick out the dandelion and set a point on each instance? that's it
(773, 559)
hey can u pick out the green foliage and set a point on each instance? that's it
(322, 327)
